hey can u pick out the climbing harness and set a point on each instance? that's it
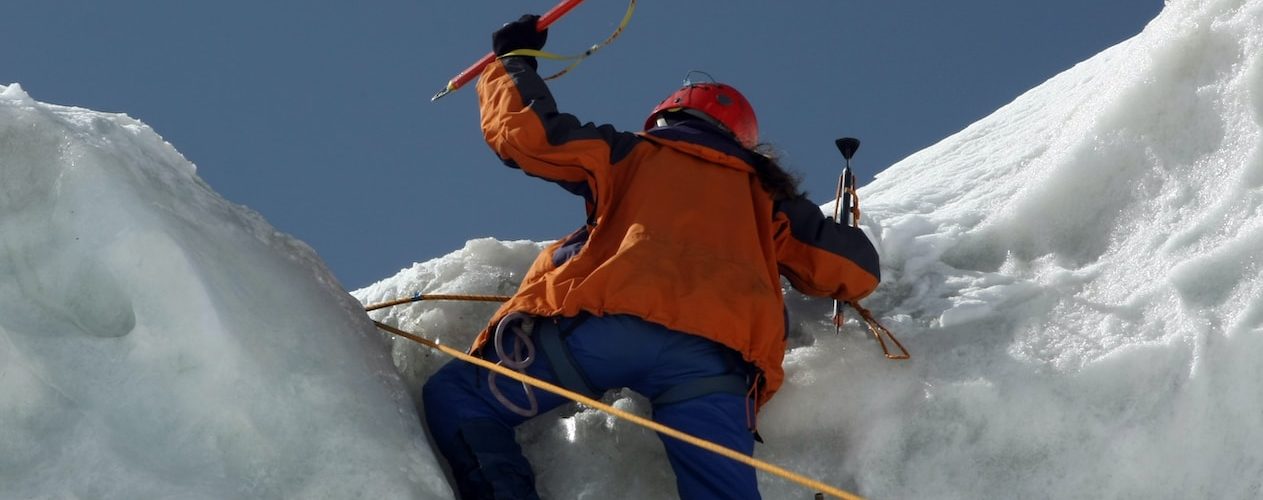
(543, 23)
(728, 383)
(633, 418)
(527, 330)
(552, 342)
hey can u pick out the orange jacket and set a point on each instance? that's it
(680, 231)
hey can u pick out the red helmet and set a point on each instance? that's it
(720, 102)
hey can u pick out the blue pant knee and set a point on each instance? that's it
(481, 449)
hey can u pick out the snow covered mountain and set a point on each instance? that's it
(1077, 277)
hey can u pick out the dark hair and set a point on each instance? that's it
(778, 182)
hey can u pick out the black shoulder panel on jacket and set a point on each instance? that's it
(808, 225)
(559, 127)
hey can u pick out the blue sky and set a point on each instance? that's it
(317, 114)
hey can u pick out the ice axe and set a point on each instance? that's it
(842, 205)
(476, 68)
(847, 205)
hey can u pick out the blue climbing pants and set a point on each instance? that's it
(475, 432)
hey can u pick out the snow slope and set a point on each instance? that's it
(1083, 267)
(157, 341)
(1077, 276)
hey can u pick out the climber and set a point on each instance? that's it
(671, 288)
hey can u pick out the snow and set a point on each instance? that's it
(157, 341)
(1077, 276)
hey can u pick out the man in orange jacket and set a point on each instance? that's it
(671, 288)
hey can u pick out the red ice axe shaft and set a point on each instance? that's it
(475, 69)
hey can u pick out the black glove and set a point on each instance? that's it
(520, 34)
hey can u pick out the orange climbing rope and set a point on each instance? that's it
(592, 403)
(633, 418)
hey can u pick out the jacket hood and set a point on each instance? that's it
(705, 141)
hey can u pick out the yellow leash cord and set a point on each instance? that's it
(631, 8)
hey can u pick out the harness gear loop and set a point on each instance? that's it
(631, 8)
(519, 360)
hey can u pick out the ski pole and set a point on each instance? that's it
(476, 68)
(842, 205)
